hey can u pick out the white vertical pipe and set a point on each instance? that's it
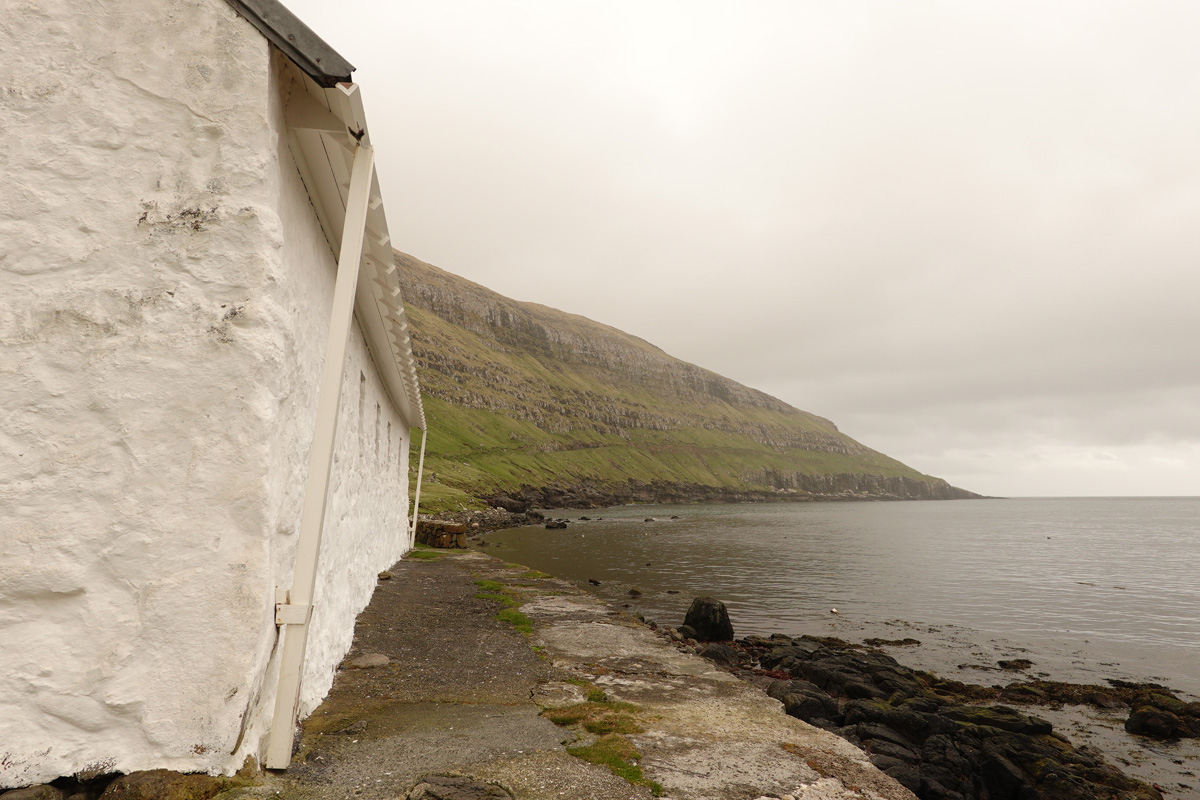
(320, 459)
(412, 533)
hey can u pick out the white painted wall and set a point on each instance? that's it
(167, 290)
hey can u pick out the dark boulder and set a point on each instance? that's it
(1162, 715)
(709, 618)
(556, 525)
(778, 689)
(1000, 717)
(721, 654)
(815, 708)
(1155, 723)
(904, 774)
(803, 700)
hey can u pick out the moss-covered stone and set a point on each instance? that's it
(163, 784)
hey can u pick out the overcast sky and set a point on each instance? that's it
(966, 232)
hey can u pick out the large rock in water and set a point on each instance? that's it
(709, 619)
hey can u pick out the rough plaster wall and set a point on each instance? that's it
(151, 400)
(136, 242)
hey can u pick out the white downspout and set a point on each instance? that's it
(294, 608)
(412, 531)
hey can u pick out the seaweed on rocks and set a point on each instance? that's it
(948, 740)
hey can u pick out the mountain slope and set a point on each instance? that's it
(527, 402)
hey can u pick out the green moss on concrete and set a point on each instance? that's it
(500, 593)
(518, 620)
(619, 755)
(427, 554)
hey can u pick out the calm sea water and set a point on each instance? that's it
(1086, 588)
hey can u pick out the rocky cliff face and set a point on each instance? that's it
(659, 428)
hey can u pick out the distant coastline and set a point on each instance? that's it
(533, 407)
(822, 488)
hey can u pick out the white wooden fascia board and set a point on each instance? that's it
(312, 87)
(390, 299)
(374, 324)
(327, 156)
(304, 111)
(377, 235)
(345, 100)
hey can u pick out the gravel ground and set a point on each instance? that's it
(455, 711)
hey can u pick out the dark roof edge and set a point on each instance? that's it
(297, 41)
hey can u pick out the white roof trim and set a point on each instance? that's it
(324, 127)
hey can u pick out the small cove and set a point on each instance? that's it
(1087, 589)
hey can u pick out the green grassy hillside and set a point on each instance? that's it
(530, 403)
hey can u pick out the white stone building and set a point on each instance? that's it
(181, 181)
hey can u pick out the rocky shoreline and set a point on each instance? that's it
(518, 508)
(945, 739)
(795, 488)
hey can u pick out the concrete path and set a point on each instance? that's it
(462, 707)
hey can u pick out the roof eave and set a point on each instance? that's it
(325, 126)
(296, 40)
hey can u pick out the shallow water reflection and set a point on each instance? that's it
(1087, 588)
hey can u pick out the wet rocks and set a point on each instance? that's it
(943, 740)
(1162, 715)
(707, 620)
(721, 654)
(492, 518)
(556, 525)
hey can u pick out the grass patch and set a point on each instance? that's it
(502, 599)
(497, 592)
(517, 620)
(598, 715)
(613, 723)
(427, 554)
(618, 754)
(535, 575)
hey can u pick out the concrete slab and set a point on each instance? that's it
(462, 694)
